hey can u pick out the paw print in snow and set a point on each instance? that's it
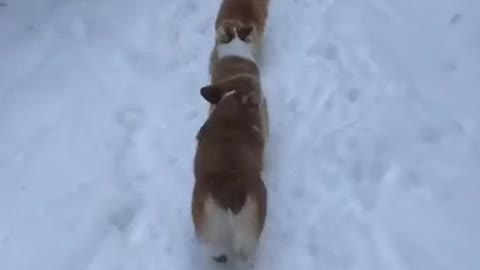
(331, 52)
(131, 118)
(456, 18)
(353, 94)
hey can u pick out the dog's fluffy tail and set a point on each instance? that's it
(229, 191)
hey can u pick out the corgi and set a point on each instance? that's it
(229, 200)
(245, 19)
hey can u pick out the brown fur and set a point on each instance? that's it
(232, 66)
(229, 157)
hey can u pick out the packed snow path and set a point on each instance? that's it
(374, 155)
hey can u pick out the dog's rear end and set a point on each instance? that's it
(247, 19)
(244, 13)
(229, 213)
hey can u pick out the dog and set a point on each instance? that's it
(246, 19)
(229, 200)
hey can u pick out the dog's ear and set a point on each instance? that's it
(212, 93)
(245, 32)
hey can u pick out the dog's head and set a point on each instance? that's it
(228, 30)
(238, 93)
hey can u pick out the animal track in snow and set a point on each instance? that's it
(131, 118)
(456, 18)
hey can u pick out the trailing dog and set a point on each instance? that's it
(229, 200)
(229, 197)
(244, 18)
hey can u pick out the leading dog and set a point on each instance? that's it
(246, 19)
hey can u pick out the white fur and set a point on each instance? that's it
(217, 229)
(229, 93)
(236, 47)
(245, 230)
(226, 233)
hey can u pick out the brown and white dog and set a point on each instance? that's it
(229, 201)
(229, 196)
(246, 19)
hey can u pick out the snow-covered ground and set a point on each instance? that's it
(374, 155)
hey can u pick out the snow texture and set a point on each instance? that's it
(374, 155)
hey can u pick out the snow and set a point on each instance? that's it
(374, 150)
